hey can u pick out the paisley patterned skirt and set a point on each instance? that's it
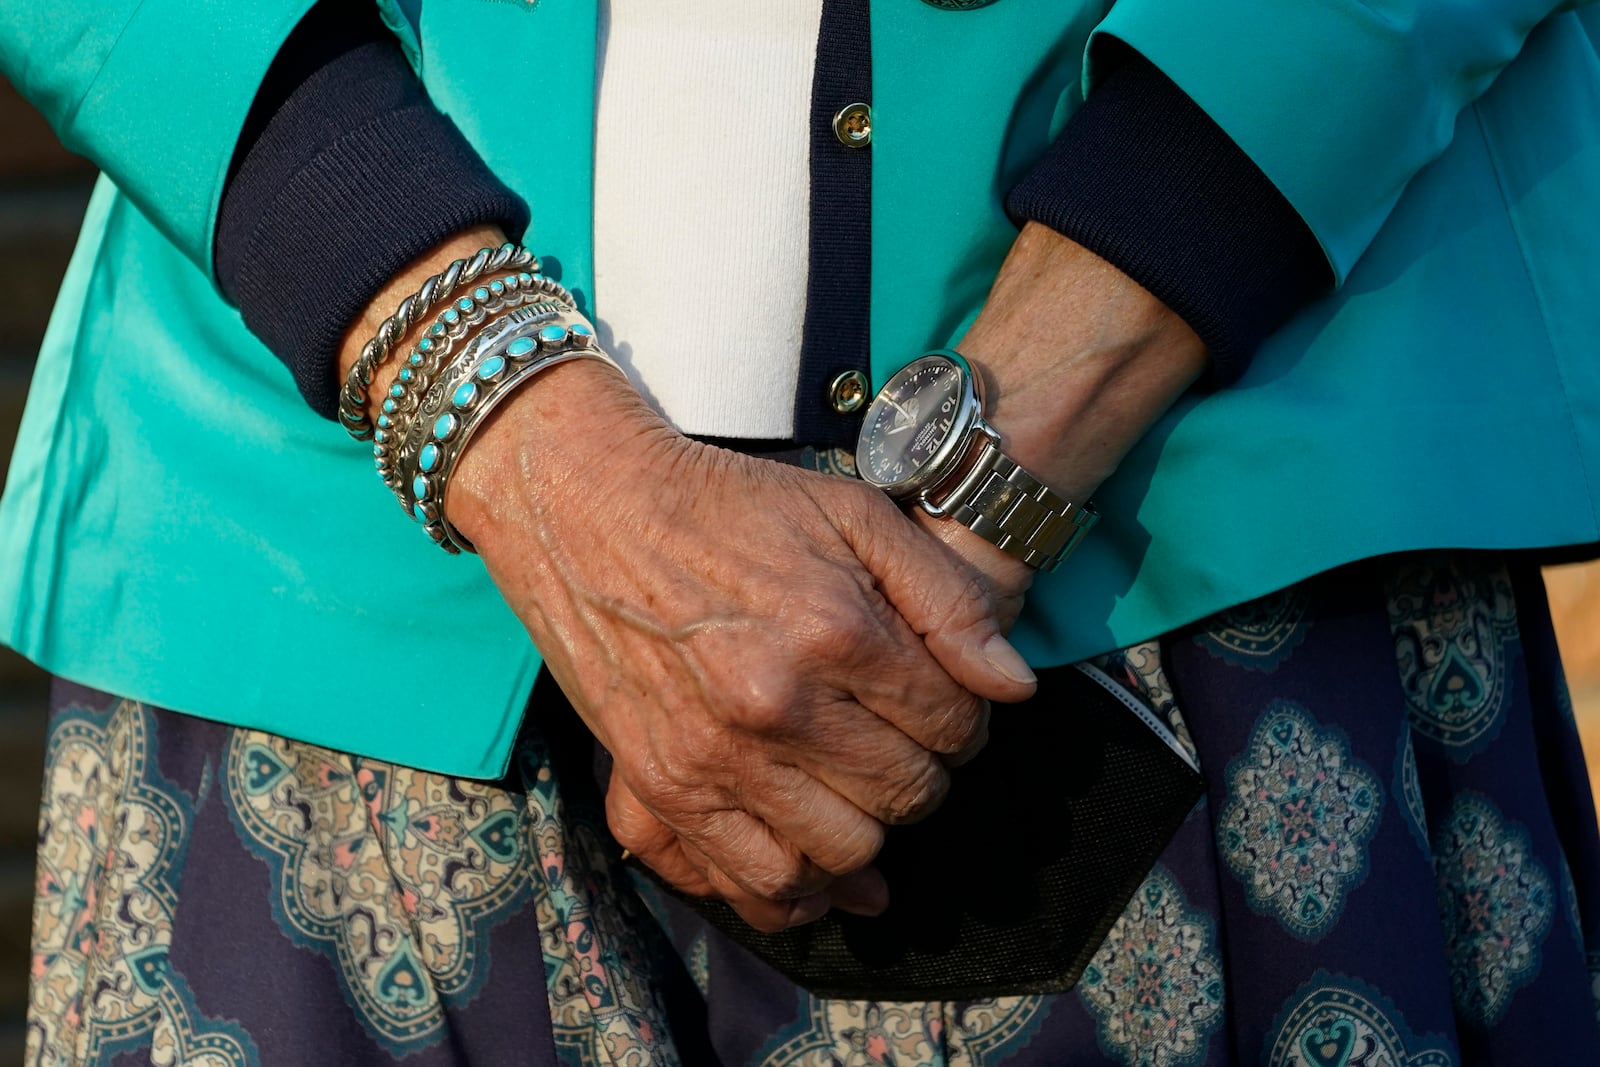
(1396, 865)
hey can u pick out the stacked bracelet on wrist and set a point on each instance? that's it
(435, 291)
(435, 348)
(477, 351)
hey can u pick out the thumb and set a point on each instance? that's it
(943, 597)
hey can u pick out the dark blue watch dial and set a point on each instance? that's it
(908, 421)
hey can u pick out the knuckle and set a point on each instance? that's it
(855, 849)
(959, 726)
(628, 830)
(971, 602)
(762, 701)
(920, 789)
(839, 626)
(662, 783)
(844, 635)
(779, 881)
(633, 827)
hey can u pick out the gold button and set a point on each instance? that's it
(848, 392)
(853, 126)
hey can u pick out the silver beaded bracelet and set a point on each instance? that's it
(435, 349)
(435, 397)
(510, 352)
(435, 291)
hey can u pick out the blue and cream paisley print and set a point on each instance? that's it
(1261, 634)
(865, 1033)
(1396, 818)
(112, 838)
(422, 865)
(425, 867)
(1335, 1021)
(1156, 985)
(1454, 626)
(1496, 902)
(1301, 810)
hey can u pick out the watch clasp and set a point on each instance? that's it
(969, 481)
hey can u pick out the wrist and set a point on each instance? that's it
(1078, 361)
(556, 439)
(383, 303)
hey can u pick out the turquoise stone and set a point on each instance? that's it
(481, 294)
(491, 367)
(406, 374)
(383, 420)
(419, 487)
(380, 436)
(437, 329)
(582, 331)
(416, 359)
(498, 288)
(464, 304)
(428, 458)
(396, 390)
(390, 407)
(527, 279)
(553, 334)
(377, 454)
(451, 316)
(465, 394)
(425, 345)
(520, 348)
(444, 426)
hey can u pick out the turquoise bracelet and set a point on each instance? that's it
(523, 344)
(433, 292)
(435, 348)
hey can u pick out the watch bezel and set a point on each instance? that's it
(969, 410)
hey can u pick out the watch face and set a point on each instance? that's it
(911, 417)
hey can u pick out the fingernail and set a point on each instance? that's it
(807, 909)
(862, 892)
(1008, 661)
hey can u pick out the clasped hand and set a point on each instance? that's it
(781, 663)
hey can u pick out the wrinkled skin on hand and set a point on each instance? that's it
(780, 662)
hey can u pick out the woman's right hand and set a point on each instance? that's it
(780, 662)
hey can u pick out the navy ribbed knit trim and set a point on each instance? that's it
(1147, 181)
(354, 175)
(836, 335)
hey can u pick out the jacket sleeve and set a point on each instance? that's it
(153, 92)
(1338, 102)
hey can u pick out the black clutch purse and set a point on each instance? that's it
(1010, 886)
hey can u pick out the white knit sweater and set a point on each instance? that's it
(702, 205)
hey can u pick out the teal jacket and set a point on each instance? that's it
(179, 527)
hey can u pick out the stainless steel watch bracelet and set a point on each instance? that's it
(1007, 506)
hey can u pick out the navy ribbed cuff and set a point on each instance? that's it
(354, 176)
(1147, 181)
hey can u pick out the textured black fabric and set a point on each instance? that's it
(346, 173)
(839, 283)
(1147, 181)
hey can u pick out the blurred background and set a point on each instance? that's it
(43, 190)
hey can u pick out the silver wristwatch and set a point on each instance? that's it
(924, 439)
